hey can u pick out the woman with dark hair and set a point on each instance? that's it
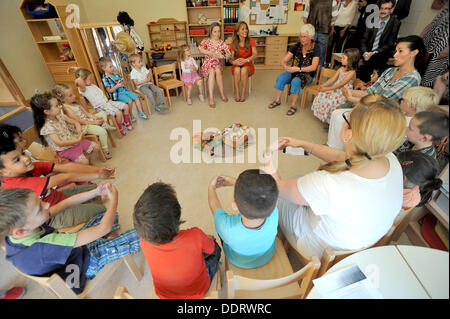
(409, 59)
(243, 50)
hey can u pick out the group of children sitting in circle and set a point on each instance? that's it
(38, 198)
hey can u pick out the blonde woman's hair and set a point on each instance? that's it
(378, 129)
(371, 98)
(82, 73)
(422, 98)
(59, 91)
(308, 28)
(133, 58)
(181, 52)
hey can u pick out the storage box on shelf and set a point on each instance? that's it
(53, 37)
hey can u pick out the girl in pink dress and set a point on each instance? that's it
(214, 50)
(330, 93)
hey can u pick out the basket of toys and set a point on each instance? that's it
(236, 135)
(158, 56)
(207, 141)
(40, 10)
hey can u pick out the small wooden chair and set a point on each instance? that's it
(168, 84)
(144, 96)
(276, 279)
(287, 88)
(56, 286)
(94, 138)
(313, 89)
(40, 152)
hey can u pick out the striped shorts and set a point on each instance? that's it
(104, 251)
(110, 107)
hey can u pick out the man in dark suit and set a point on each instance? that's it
(378, 43)
(402, 8)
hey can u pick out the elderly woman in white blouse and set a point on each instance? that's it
(339, 28)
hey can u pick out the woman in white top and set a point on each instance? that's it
(339, 28)
(353, 199)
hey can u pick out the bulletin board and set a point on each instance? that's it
(268, 12)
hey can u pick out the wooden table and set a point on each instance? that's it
(401, 272)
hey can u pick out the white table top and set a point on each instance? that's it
(431, 267)
(401, 272)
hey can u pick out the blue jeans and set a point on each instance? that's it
(296, 83)
(321, 40)
(212, 261)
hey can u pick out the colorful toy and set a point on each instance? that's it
(207, 141)
(236, 135)
(67, 55)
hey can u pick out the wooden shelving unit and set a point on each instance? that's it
(211, 11)
(52, 50)
(167, 31)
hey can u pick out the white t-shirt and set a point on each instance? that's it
(346, 14)
(350, 212)
(187, 64)
(94, 95)
(139, 75)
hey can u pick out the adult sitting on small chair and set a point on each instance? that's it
(378, 43)
(241, 59)
(305, 59)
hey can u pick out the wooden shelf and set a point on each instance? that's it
(205, 7)
(53, 41)
(42, 20)
(199, 25)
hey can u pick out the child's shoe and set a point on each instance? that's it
(128, 126)
(142, 115)
(133, 119)
(122, 131)
(163, 107)
(189, 101)
(108, 127)
(202, 98)
(13, 293)
(107, 154)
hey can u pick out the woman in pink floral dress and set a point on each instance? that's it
(214, 49)
(330, 93)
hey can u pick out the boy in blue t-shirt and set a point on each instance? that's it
(248, 238)
(39, 250)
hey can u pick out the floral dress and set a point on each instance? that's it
(211, 62)
(326, 102)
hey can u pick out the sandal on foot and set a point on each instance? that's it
(291, 111)
(274, 104)
(213, 105)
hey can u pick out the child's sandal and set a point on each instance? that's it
(291, 111)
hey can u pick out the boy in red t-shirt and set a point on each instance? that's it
(18, 171)
(182, 263)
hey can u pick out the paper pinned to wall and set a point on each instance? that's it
(269, 11)
(244, 12)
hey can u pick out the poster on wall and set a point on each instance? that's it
(299, 5)
(268, 11)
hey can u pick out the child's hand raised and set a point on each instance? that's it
(222, 181)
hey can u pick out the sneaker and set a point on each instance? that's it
(133, 119)
(142, 115)
(189, 101)
(107, 154)
(122, 131)
(108, 127)
(13, 293)
(128, 126)
(202, 98)
(163, 107)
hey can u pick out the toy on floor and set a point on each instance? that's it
(207, 141)
(236, 135)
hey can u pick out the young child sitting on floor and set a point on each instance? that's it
(39, 250)
(95, 96)
(142, 78)
(17, 171)
(330, 94)
(420, 178)
(90, 124)
(53, 129)
(182, 262)
(117, 90)
(424, 130)
(189, 73)
(249, 236)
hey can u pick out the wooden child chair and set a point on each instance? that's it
(57, 288)
(168, 84)
(313, 89)
(275, 280)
